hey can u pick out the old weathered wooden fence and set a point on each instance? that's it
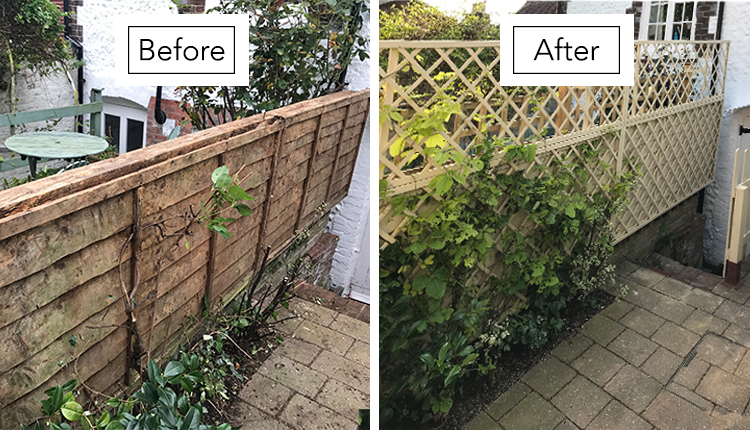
(666, 124)
(61, 238)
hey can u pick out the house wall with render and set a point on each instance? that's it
(349, 218)
(97, 18)
(736, 112)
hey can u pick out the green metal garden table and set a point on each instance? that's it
(54, 144)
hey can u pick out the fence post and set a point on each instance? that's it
(135, 248)
(388, 93)
(211, 266)
(338, 154)
(310, 172)
(96, 117)
(269, 195)
(623, 138)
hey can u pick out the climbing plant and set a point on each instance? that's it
(30, 37)
(461, 284)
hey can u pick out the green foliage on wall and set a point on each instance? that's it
(30, 36)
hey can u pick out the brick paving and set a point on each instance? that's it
(671, 355)
(319, 377)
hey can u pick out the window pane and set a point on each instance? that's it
(135, 135)
(689, 11)
(677, 12)
(686, 29)
(660, 32)
(112, 129)
(663, 13)
(654, 15)
(651, 32)
(676, 32)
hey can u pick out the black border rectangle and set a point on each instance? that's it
(234, 49)
(619, 59)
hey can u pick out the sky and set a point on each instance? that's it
(494, 7)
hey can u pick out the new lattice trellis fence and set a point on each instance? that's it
(61, 238)
(667, 124)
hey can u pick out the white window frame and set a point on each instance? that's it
(125, 113)
(646, 14)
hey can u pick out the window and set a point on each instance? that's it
(664, 20)
(135, 135)
(125, 123)
(112, 129)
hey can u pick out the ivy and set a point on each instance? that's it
(441, 317)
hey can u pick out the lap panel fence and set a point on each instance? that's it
(61, 239)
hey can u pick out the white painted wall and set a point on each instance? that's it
(349, 218)
(736, 112)
(718, 194)
(736, 29)
(598, 7)
(98, 18)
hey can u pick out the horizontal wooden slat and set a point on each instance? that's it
(20, 118)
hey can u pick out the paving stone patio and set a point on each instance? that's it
(671, 355)
(317, 379)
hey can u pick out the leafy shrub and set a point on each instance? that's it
(157, 405)
(300, 51)
(441, 316)
(30, 36)
(419, 21)
(42, 173)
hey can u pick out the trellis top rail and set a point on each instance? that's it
(402, 43)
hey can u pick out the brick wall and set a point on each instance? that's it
(321, 257)
(705, 10)
(637, 10)
(192, 6)
(156, 132)
(76, 31)
(676, 225)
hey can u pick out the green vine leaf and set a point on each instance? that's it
(436, 288)
(72, 411)
(220, 174)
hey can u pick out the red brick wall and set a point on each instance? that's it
(321, 254)
(76, 31)
(193, 6)
(705, 10)
(155, 131)
(636, 9)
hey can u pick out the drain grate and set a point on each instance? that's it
(694, 351)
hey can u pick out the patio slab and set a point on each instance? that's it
(670, 356)
(317, 379)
